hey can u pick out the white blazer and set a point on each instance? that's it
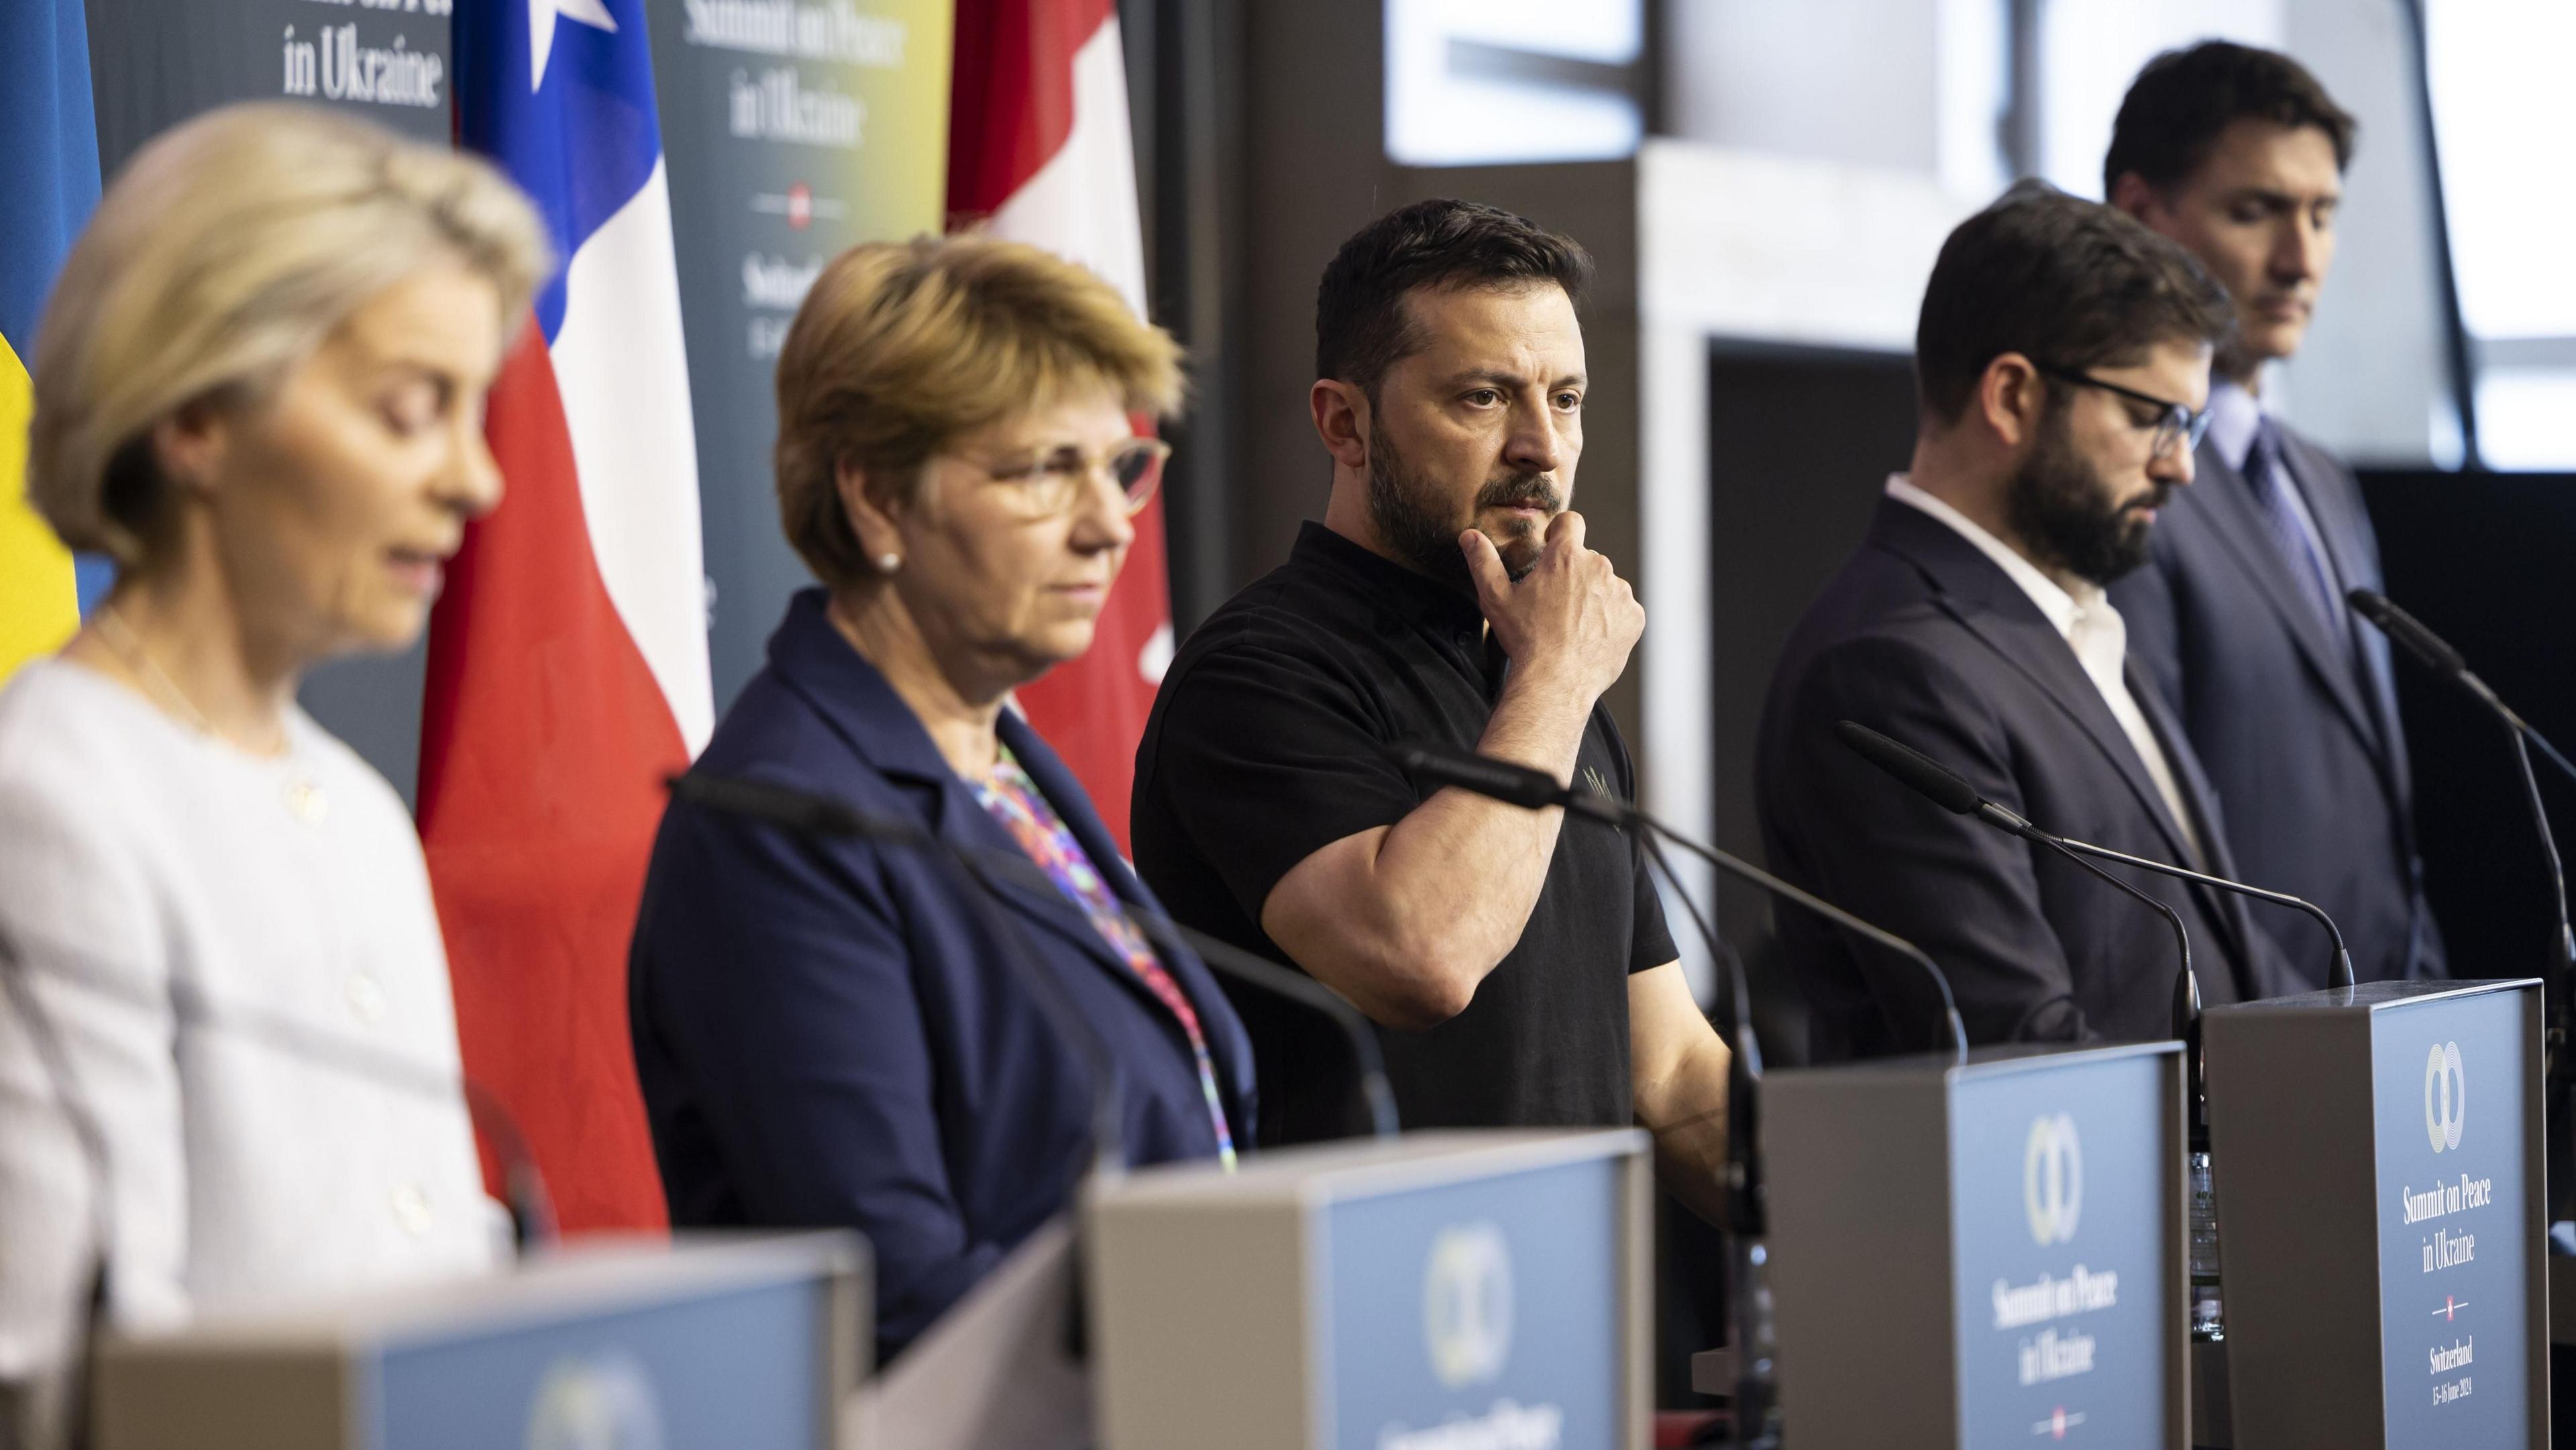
(232, 967)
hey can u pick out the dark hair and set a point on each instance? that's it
(1361, 327)
(2179, 104)
(2062, 281)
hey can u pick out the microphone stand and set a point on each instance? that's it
(819, 817)
(1950, 790)
(91, 1145)
(1753, 1411)
(1519, 785)
(2338, 973)
(1233, 961)
(1755, 1407)
(531, 1207)
(811, 814)
(2437, 655)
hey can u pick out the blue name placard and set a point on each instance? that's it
(2448, 1078)
(1480, 1316)
(742, 1370)
(2062, 1183)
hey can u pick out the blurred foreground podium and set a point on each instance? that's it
(749, 1343)
(1424, 1292)
(1983, 1254)
(2377, 1158)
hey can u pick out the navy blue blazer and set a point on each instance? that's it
(1925, 639)
(829, 1034)
(2298, 730)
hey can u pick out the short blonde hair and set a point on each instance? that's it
(226, 252)
(902, 348)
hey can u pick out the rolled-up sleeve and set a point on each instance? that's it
(1267, 754)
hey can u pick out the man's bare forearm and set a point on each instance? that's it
(1406, 921)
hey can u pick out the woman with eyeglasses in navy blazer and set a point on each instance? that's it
(846, 1032)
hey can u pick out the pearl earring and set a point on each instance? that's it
(888, 563)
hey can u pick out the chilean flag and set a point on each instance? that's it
(568, 656)
(1039, 151)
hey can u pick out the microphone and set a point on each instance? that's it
(1519, 785)
(531, 1206)
(1754, 1404)
(2435, 654)
(810, 814)
(524, 1187)
(91, 1146)
(1947, 789)
(1952, 791)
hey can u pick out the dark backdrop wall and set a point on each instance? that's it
(2489, 561)
(1801, 442)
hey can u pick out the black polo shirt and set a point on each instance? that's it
(1267, 743)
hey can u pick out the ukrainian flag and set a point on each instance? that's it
(48, 185)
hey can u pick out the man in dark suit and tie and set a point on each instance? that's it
(2238, 617)
(2062, 359)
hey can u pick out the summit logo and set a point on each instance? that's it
(2052, 1179)
(1467, 1304)
(2446, 1096)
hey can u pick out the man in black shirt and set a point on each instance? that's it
(1519, 972)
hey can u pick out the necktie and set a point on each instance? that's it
(2268, 474)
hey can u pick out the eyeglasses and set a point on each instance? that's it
(2174, 422)
(1045, 485)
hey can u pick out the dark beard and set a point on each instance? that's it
(2061, 510)
(1407, 509)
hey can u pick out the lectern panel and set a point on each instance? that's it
(1981, 1255)
(1485, 1313)
(1435, 1291)
(750, 1342)
(2378, 1290)
(2061, 1186)
(2455, 1284)
(736, 1371)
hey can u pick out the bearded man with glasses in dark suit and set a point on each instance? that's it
(2061, 359)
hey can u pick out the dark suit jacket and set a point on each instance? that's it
(1925, 639)
(831, 1034)
(2300, 737)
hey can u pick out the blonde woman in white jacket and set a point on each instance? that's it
(259, 388)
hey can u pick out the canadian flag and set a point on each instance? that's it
(568, 656)
(1039, 152)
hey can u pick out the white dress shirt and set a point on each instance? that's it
(2084, 618)
(238, 964)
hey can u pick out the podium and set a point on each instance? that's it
(749, 1343)
(1426, 1292)
(1981, 1255)
(2377, 1158)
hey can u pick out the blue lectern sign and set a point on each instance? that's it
(2062, 1186)
(2454, 1267)
(743, 1369)
(1489, 1313)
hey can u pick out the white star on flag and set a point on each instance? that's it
(541, 30)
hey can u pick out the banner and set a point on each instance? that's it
(794, 130)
